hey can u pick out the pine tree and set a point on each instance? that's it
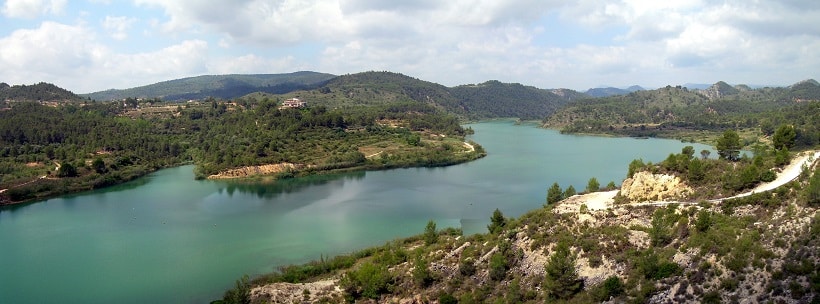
(497, 221)
(554, 194)
(562, 277)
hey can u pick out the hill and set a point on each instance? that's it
(218, 86)
(491, 99)
(610, 91)
(805, 90)
(669, 110)
(495, 99)
(42, 91)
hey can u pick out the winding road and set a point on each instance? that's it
(604, 200)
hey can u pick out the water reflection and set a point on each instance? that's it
(272, 189)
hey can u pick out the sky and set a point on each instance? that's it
(92, 45)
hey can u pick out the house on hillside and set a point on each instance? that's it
(294, 103)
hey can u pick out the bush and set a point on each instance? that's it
(239, 294)
(446, 298)
(421, 273)
(611, 287)
(369, 280)
(466, 267)
(498, 266)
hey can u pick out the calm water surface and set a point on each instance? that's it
(168, 238)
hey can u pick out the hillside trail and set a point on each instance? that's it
(604, 200)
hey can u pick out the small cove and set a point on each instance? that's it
(168, 238)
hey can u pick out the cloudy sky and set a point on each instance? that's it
(92, 45)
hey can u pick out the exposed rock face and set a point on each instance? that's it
(645, 186)
(254, 170)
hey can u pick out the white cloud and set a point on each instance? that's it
(118, 26)
(450, 42)
(72, 57)
(32, 8)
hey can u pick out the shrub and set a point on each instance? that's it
(240, 293)
(498, 266)
(430, 234)
(369, 280)
(611, 287)
(466, 267)
(446, 298)
(421, 273)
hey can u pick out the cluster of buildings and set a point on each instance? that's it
(295, 103)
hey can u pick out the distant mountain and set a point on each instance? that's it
(219, 86)
(719, 90)
(496, 99)
(491, 99)
(37, 92)
(805, 90)
(611, 91)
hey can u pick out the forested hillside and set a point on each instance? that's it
(218, 86)
(48, 150)
(667, 110)
(42, 91)
(491, 99)
(495, 99)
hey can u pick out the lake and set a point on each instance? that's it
(167, 238)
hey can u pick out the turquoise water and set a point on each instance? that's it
(168, 238)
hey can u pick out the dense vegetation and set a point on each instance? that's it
(37, 92)
(495, 99)
(218, 86)
(51, 150)
(683, 113)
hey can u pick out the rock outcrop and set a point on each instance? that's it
(645, 186)
(255, 170)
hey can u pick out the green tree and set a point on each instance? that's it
(660, 232)
(696, 171)
(570, 191)
(593, 185)
(497, 222)
(704, 221)
(430, 234)
(561, 275)
(635, 166)
(98, 165)
(554, 194)
(611, 186)
(67, 170)
(728, 146)
(688, 151)
(704, 154)
(784, 137)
